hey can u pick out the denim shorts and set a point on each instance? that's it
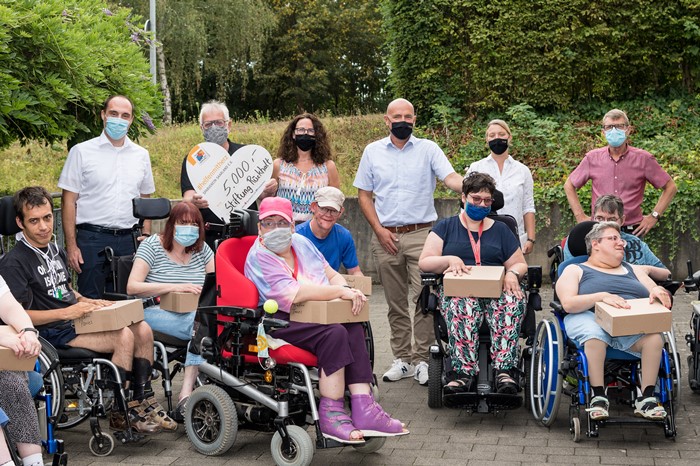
(582, 327)
(60, 335)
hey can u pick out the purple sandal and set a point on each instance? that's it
(372, 420)
(335, 423)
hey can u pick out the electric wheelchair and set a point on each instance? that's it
(558, 366)
(277, 393)
(692, 283)
(82, 384)
(484, 399)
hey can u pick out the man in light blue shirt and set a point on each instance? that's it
(400, 171)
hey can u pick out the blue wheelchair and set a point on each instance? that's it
(559, 366)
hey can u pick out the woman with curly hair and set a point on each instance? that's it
(304, 164)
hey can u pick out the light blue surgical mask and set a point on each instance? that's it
(615, 137)
(116, 128)
(186, 235)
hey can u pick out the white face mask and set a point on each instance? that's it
(278, 240)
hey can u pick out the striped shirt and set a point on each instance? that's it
(164, 270)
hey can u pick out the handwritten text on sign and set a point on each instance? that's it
(228, 181)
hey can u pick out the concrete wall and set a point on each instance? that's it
(355, 222)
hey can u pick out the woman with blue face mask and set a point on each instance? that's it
(455, 245)
(175, 260)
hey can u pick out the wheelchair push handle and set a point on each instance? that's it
(691, 281)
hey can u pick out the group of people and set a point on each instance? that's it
(301, 248)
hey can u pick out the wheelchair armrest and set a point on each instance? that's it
(670, 285)
(271, 324)
(232, 311)
(430, 279)
(557, 307)
(112, 296)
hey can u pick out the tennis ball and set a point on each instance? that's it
(270, 306)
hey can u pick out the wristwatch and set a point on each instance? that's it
(531, 240)
(30, 329)
(656, 215)
(515, 272)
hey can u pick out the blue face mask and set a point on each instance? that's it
(186, 235)
(116, 128)
(477, 212)
(615, 137)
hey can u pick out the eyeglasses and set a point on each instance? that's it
(209, 124)
(614, 239)
(272, 224)
(309, 131)
(617, 126)
(478, 200)
(329, 212)
(600, 218)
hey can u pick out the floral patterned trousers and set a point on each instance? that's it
(463, 317)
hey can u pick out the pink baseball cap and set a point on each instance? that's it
(275, 206)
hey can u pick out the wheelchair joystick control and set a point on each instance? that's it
(690, 283)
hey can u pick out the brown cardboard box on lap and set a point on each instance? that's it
(8, 360)
(359, 282)
(335, 311)
(115, 317)
(179, 302)
(642, 317)
(483, 281)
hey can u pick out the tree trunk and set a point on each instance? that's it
(167, 106)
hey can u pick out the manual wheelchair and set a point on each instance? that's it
(275, 394)
(558, 366)
(484, 398)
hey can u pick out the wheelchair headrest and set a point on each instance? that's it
(8, 224)
(151, 208)
(243, 222)
(577, 238)
(509, 220)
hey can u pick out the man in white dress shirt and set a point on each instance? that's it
(99, 180)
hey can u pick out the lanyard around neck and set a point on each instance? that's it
(476, 245)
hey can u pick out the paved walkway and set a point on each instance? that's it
(446, 435)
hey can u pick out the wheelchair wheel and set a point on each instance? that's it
(575, 429)
(525, 368)
(371, 445)
(103, 448)
(211, 421)
(301, 450)
(78, 396)
(545, 380)
(369, 342)
(435, 380)
(47, 357)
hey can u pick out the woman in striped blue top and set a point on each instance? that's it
(175, 260)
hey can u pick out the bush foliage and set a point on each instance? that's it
(59, 61)
(473, 55)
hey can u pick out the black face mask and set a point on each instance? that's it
(498, 146)
(305, 142)
(401, 130)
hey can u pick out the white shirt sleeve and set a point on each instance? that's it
(70, 175)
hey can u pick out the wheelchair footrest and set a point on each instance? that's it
(495, 401)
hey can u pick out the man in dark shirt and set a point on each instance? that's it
(36, 273)
(216, 126)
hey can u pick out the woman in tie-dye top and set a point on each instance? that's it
(288, 268)
(304, 164)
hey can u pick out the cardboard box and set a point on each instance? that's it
(642, 317)
(483, 281)
(179, 302)
(115, 317)
(335, 311)
(8, 360)
(362, 283)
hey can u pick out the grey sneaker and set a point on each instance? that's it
(398, 370)
(421, 373)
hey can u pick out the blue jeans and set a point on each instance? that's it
(175, 324)
(91, 281)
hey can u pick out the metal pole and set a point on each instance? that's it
(153, 41)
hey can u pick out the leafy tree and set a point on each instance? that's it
(209, 47)
(59, 61)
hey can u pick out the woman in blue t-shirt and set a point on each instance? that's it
(455, 245)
